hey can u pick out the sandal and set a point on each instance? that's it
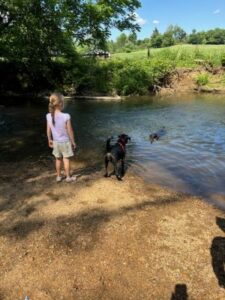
(71, 178)
(59, 179)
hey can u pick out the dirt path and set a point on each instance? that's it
(104, 239)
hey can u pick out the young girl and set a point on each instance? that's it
(60, 136)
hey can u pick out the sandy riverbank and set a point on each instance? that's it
(104, 239)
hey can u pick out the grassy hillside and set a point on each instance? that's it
(133, 73)
(182, 55)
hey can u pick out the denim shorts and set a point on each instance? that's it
(63, 149)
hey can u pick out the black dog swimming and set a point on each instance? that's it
(116, 155)
(157, 135)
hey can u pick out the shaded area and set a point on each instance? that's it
(180, 292)
(23, 180)
(23, 228)
(23, 133)
(79, 231)
(218, 254)
(67, 230)
(128, 251)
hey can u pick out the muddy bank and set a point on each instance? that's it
(184, 81)
(104, 239)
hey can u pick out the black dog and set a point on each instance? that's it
(116, 154)
(156, 135)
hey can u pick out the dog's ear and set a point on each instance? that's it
(119, 136)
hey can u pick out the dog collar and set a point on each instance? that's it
(122, 146)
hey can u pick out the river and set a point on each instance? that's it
(190, 157)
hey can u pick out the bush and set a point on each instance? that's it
(131, 79)
(88, 75)
(202, 79)
(22, 78)
(137, 77)
(223, 61)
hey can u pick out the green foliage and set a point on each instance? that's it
(156, 39)
(121, 41)
(133, 38)
(202, 79)
(126, 43)
(181, 55)
(172, 36)
(124, 77)
(167, 39)
(223, 61)
(138, 77)
(179, 34)
(38, 37)
(96, 77)
(214, 37)
(131, 78)
(54, 25)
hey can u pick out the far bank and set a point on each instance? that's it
(181, 68)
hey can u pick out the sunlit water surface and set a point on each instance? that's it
(190, 157)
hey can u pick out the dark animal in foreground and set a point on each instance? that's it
(157, 135)
(116, 155)
(180, 292)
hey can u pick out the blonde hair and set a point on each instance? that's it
(56, 100)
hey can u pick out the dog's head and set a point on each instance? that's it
(151, 137)
(124, 138)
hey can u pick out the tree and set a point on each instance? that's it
(133, 38)
(179, 34)
(111, 45)
(33, 33)
(39, 29)
(215, 36)
(121, 41)
(168, 39)
(197, 38)
(156, 39)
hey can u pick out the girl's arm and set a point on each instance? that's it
(49, 135)
(70, 133)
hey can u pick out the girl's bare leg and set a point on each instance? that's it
(66, 162)
(58, 163)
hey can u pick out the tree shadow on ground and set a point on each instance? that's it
(218, 254)
(23, 181)
(79, 232)
(23, 228)
(180, 292)
(87, 171)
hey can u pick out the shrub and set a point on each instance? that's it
(138, 76)
(223, 61)
(202, 79)
(132, 78)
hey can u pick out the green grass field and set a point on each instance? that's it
(182, 55)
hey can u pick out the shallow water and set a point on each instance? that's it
(190, 157)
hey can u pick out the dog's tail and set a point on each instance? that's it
(109, 157)
(108, 145)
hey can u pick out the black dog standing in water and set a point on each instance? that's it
(116, 154)
(156, 135)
